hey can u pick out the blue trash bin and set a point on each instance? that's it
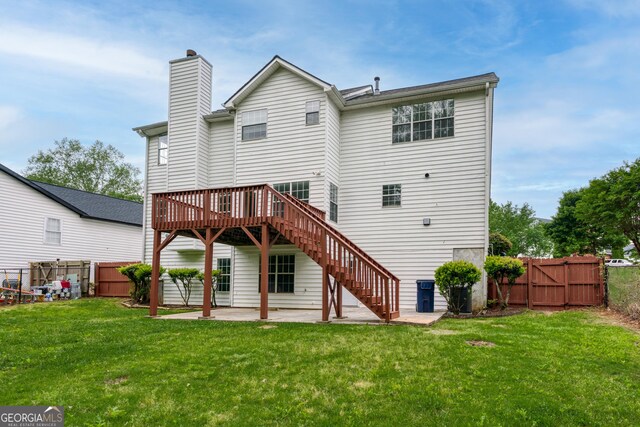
(425, 295)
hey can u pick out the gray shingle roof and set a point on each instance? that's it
(85, 204)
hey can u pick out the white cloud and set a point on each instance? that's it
(72, 52)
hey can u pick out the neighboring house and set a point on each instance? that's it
(45, 222)
(404, 173)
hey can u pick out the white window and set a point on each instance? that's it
(313, 112)
(298, 189)
(423, 121)
(254, 124)
(391, 195)
(162, 150)
(53, 231)
(282, 272)
(224, 279)
(333, 202)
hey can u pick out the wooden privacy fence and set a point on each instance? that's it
(43, 272)
(556, 284)
(109, 282)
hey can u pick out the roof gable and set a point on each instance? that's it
(271, 67)
(85, 204)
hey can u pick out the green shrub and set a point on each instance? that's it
(459, 276)
(182, 278)
(501, 267)
(140, 276)
(214, 281)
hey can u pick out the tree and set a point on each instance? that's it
(97, 168)
(500, 268)
(573, 232)
(613, 202)
(454, 279)
(498, 244)
(520, 226)
(182, 278)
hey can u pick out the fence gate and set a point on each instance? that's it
(557, 283)
(43, 272)
(109, 282)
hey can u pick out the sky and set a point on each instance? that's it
(566, 109)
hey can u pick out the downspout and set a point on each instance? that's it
(488, 154)
(144, 202)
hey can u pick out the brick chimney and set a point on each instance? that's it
(189, 101)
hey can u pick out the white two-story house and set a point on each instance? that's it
(403, 174)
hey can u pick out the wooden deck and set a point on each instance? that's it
(259, 215)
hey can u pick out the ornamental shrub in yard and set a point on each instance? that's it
(182, 278)
(459, 275)
(140, 276)
(501, 267)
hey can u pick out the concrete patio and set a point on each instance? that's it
(352, 315)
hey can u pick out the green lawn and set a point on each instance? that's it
(108, 365)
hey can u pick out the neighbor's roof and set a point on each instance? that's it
(85, 204)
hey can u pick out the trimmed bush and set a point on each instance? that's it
(501, 267)
(140, 276)
(454, 277)
(182, 278)
(499, 244)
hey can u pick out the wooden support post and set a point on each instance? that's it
(339, 300)
(208, 268)
(325, 276)
(264, 273)
(155, 274)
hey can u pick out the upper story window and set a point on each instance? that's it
(298, 189)
(428, 120)
(333, 202)
(53, 231)
(254, 124)
(313, 112)
(162, 150)
(392, 195)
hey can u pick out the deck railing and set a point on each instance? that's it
(299, 222)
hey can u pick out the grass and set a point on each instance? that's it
(108, 365)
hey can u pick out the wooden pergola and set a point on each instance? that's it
(261, 216)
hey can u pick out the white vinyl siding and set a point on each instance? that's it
(292, 151)
(453, 196)
(189, 101)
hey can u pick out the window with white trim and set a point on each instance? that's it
(53, 231)
(224, 279)
(298, 189)
(313, 112)
(427, 120)
(163, 149)
(254, 124)
(282, 269)
(333, 202)
(392, 195)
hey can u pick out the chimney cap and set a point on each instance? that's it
(376, 78)
(191, 52)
